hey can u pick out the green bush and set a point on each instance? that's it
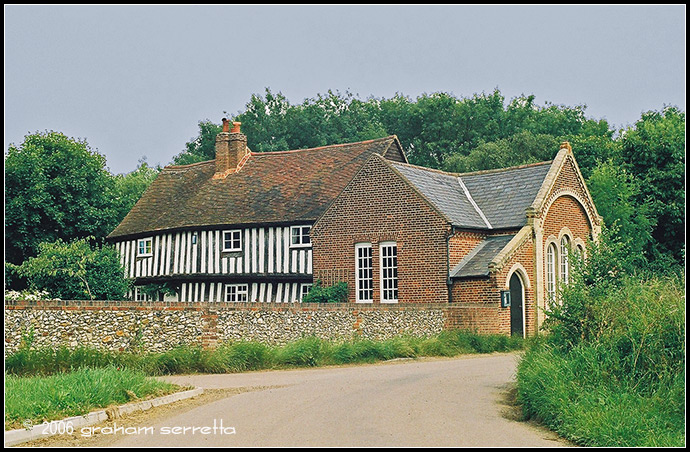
(336, 293)
(611, 369)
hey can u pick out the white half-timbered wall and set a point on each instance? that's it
(265, 251)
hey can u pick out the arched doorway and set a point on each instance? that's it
(516, 306)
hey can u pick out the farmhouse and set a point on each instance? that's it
(263, 227)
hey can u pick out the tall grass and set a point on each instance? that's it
(611, 370)
(244, 356)
(46, 398)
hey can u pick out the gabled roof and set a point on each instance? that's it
(476, 263)
(493, 199)
(271, 187)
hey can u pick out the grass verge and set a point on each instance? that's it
(46, 398)
(246, 355)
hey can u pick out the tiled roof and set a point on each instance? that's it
(476, 263)
(271, 187)
(494, 199)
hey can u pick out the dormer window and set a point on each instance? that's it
(300, 236)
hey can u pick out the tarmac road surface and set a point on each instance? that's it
(431, 402)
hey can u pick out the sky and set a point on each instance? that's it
(134, 81)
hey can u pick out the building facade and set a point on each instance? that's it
(263, 227)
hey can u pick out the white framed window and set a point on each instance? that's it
(299, 236)
(364, 273)
(551, 255)
(389, 272)
(232, 240)
(565, 265)
(139, 295)
(145, 247)
(236, 292)
(304, 290)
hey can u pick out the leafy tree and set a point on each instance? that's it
(519, 149)
(201, 148)
(654, 152)
(129, 187)
(614, 191)
(55, 188)
(76, 271)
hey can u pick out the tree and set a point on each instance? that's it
(129, 187)
(614, 191)
(201, 148)
(76, 271)
(654, 152)
(55, 188)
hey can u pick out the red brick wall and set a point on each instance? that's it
(461, 243)
(379, 205)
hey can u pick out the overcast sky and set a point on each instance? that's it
(134, 81)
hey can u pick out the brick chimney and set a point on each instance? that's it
(231, 148)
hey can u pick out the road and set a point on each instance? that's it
(431, 402)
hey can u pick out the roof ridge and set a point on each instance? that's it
(473, 173)
(329, 146)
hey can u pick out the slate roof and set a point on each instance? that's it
(271, 187)
(499, 197)
(445, 192)
(476, 263)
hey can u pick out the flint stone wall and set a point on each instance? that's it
(160, 326)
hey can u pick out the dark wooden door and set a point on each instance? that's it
(516, 311)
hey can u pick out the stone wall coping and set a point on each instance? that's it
(226, 306)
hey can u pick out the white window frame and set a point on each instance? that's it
(148, 247)
(236, 291)
(359, 269)
(301, 243)
(564, 264)
(302, 288)
(233, 240)
(139, 295)
(388, 265)
(551, 273)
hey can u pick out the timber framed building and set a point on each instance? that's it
(262, 227)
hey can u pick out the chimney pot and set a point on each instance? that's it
(226, 125)
(236, 127)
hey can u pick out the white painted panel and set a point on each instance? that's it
(254, 250)
(293, 257)
(294, 293)
(188, 260)
(279, 293)
(211, 292)
(262, 292)
(204, 246)
(271, 249)
(240, 264)
(132, 258)
(177, 257)
(168, 249)
(219, 292)
(156, 253)
(216, 247)
(302, 261)
(254, 294)
(286, 250)
(310, 269)
(262, 250)
(286, 296)
(279, 249)
(269, 293)
(183, 292)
